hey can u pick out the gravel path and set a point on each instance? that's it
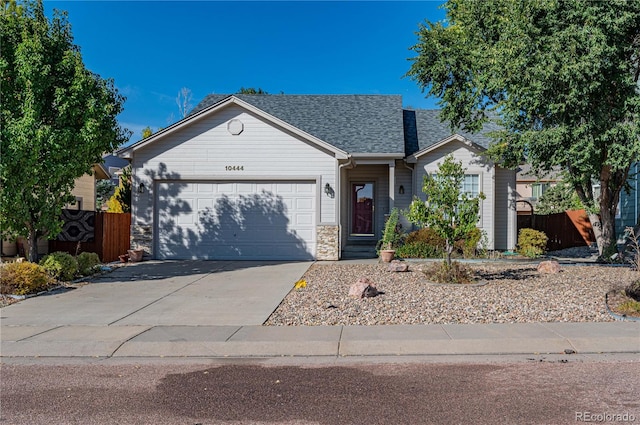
(513, 293)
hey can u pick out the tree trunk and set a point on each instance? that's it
(33, 247)
(449, 249)
(606, 235)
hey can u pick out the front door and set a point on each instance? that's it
(362, 213)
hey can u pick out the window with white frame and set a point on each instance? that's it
(471, 185)
(537, 189)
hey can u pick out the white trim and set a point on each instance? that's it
(231, 100)
(411, 159)
(392, 186)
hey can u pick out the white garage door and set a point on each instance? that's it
(261, 220)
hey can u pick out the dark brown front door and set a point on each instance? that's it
(362, 202)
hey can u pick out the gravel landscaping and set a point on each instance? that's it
(513, 293)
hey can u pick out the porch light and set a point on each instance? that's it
(401, 190)
(141, 188)
(328, 190)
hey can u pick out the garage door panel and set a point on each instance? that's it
(237, 220)
(205, 188)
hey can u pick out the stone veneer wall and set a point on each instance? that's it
(142, 238)
(328, 243)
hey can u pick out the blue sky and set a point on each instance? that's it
(154, 48)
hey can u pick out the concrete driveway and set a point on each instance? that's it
(153, 293)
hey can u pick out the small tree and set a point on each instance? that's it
(558, 199)
(251, 90)
(104, 191)
(449, 211)
(120, 202)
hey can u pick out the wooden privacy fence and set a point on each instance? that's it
(106, 234)
(564, 230)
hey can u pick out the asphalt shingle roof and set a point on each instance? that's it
(352, 123)
(429, 130)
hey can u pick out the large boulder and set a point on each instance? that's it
(549, 267)
(363, 287)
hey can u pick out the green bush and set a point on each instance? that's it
(419, 249)
(87, 263)
(60, 265)
(531, 243)
(24, 278)
(392, 236)
(469, 244)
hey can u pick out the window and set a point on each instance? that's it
(537, 189)
(471, 185)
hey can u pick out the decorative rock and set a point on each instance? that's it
(364, 287)
(398, 266)
(550, 267)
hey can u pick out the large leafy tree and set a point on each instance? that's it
(58, 118)
(560, 76)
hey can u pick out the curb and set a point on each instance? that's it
(618, 317)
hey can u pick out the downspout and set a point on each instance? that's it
(348, 164)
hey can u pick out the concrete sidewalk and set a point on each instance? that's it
(337, 341)
(210, 309)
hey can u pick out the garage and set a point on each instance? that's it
(236, 220)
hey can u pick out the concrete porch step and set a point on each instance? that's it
(356, 252)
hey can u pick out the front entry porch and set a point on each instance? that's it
(368, 196)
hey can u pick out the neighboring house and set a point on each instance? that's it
(114, 166)
(84, 189)
(530, 186)
(297, 177)
(628, 213)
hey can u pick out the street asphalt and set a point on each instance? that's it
(215, 309)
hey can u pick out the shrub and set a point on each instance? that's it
(428, 236)
(60, 265)
(24, 278)
(87, 262)
(391, 237)
(531, 243)
(445, 273)
(469, 244)
(633, 290)
(630, 307)
(419, 249)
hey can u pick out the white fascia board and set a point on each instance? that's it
(364, 155)
(412, 159)
(128, 151)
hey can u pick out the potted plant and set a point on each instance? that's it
(135, 255)
(390, 237)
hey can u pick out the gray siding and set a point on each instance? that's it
(404, 178)
(474, 164)
(505, 209)
(204, 149)
(629, 203)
